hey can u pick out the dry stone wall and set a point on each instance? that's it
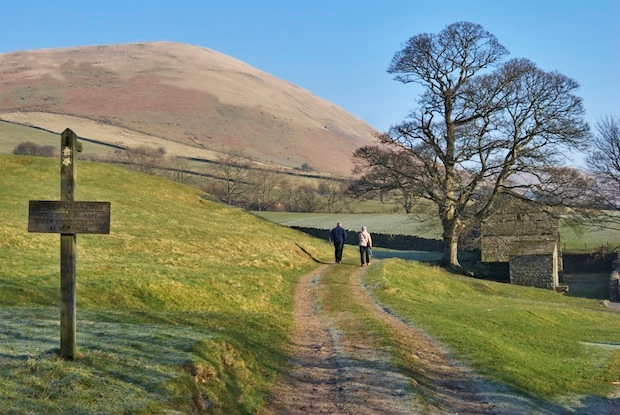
(614, 281)
(401, 242)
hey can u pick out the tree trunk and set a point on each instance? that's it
(451, 231)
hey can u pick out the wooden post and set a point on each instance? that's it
(68, 248)
(68, 218)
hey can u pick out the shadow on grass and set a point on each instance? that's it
(309, 254)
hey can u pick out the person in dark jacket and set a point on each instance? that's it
(338, 236)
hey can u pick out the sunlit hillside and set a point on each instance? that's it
(181, 300)
(192, 100)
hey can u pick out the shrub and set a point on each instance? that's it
(32, 149)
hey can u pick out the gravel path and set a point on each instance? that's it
(327, 378)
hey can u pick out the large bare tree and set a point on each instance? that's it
(481, 123)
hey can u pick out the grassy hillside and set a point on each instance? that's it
(195, 97)
(392, 223)
(11, 135)
(184, 305)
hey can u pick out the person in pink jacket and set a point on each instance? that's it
(365, 243)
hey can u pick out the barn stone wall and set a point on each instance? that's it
(533, 271)
(534, 264)
(526, 236)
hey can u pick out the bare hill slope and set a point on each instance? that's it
(201, 100)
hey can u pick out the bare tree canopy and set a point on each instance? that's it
(233, 170)
(604, 156)
(480, 124)
(390, 179)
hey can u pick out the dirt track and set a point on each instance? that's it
(330, 375)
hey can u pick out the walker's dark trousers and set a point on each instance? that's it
(364, 254)
(339, 246)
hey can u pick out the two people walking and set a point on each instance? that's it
(338, 237)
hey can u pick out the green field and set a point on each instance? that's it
(11, 135)
(531, 339)
(186, 306)
(393, 223)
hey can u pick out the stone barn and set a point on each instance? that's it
(526, 235)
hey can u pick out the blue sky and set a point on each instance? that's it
(340, 50)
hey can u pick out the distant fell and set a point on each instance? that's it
(201, 101)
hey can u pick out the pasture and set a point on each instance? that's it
(186, 306)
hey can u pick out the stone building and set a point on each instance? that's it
(527, 236)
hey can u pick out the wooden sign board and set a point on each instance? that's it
(68, 217)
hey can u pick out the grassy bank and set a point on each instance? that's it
(536, 341)
(185, 306)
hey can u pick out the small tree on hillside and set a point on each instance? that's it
(143, 158)
(232, 169)
(386, 175)
(178, 170)
(306, 168)
(334, 195)
(263, 189)
(286, 196)
(307, 199)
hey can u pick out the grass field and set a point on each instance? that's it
(12, 135)
(186, 306)
(535, 340)
(392, 223)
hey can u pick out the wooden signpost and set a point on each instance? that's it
(68, 218)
